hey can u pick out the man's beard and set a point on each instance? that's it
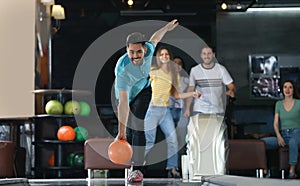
(137, 61)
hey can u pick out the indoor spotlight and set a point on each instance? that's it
(238, 6)
(224, 6)
(130, 2)
(47, 2)
(58, 12)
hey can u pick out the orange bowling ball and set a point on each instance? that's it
(66, 133)
(51, 160)
(120, 152)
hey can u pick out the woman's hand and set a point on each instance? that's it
(196, 94)
(280, 141)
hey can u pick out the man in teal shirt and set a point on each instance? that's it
(131, 77)
(133, 92)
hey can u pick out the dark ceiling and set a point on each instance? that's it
(206, 8)
(77, 8)
(101, 15)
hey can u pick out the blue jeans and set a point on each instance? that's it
(161, 116)
(292, 140)
(176, 113)
(181, 122)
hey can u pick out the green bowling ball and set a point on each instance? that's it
(70, 158)
(81, 133)
(78, 159)
(72, 107)
(85, 108)
(54, 107)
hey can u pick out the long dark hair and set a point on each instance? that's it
(171, 67)
(295, 90)
(183, 71)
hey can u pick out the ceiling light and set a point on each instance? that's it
(47, 2)
(58, 12)
(130, 2)
(224, 6)
(235, 5)
(168, 7)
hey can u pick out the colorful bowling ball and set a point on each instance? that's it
(81, 133)
(120, 152)
(72, 107)
(85, 108)
(54, 107)
(51, 160)
(66, 133)
(70, 158)
(78, 159)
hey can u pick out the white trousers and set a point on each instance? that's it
(206, 145)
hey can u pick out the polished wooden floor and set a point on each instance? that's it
(224, 180)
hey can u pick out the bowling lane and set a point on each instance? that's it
(221, 180)
(110, 182)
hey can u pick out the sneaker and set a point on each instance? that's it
(173, 174)
(292, 176)
(267, 173)
(135, 176)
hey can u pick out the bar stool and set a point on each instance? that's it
(96, 156)
(6, 159)
(247, 154)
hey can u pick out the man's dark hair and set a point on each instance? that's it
(211, 47)
(135, 38)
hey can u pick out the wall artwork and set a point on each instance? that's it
(267, 73)
(264, 76)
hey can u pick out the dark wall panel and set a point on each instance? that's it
(242, 33)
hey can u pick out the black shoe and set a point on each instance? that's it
(173, 174)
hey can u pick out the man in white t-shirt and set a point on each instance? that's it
(206, 130)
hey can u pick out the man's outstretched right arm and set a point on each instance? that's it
(159, 34)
